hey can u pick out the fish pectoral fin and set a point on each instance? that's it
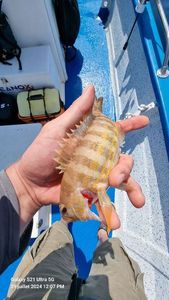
(105, 209)
(92, 216)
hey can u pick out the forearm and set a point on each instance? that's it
(26, 206)
(11, 243)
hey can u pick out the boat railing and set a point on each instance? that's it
(163, 71)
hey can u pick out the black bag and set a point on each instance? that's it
(8, 45)
(8, 109)
(68, 20)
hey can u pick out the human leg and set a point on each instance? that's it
(114, 275)
(46, 269)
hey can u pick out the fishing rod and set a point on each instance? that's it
(139, 10)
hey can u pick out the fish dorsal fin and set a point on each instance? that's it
(66, 149)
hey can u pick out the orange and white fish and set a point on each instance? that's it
(86, 157)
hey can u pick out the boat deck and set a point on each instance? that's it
(91, 65)
(145, 231)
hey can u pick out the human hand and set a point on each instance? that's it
(120, 175)
(35, 178)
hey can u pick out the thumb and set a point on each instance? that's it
(78, 109)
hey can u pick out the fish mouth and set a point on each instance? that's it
(90, 199)
(103, 211)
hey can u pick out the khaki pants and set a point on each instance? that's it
(46, 270)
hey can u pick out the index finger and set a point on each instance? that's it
(133, 123)
(79, 108)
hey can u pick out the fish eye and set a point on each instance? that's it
(64, 210)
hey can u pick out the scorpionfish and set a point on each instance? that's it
(86, 158)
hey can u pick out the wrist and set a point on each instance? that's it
(27, 204)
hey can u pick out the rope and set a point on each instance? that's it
(141, 108)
